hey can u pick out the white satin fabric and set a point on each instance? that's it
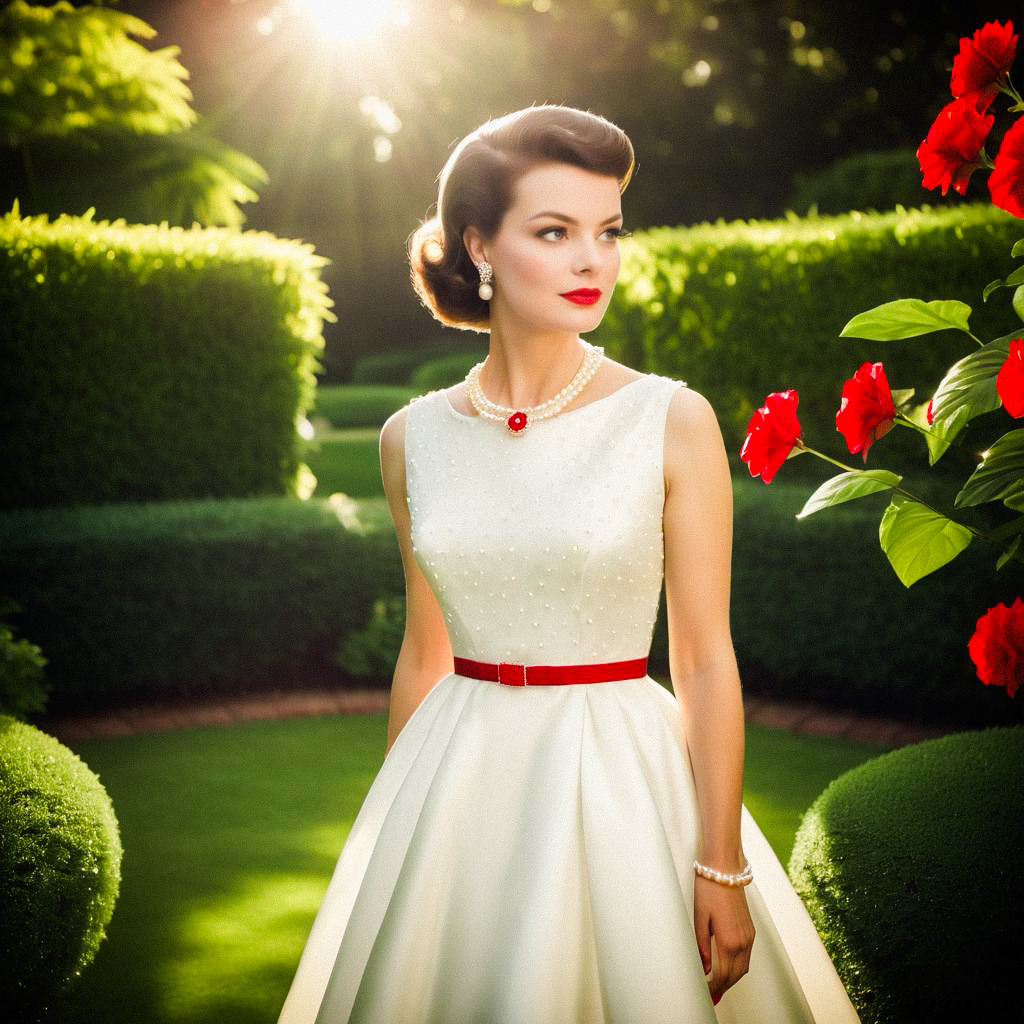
(525, 854)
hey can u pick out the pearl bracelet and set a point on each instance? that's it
(744, 877)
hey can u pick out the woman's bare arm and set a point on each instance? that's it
(698, 554)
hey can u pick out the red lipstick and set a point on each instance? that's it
(583, 296)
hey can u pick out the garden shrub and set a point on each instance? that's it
(372, 652)
(144, 362)
(909, 865)
(348, 406)
(874, 180)
(166, 602)
(174, 601)
(396, 366)
(24, 690)
(445, 371)
(60, 868)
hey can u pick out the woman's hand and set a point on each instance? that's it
(721, 910)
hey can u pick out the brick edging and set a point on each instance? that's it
(791, 716)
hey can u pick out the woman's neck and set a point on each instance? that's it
(528, 374)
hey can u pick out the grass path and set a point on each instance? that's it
(231, 833)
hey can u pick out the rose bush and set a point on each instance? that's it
(917, 538)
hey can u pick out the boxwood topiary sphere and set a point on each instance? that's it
(910, 867)
(60, 868)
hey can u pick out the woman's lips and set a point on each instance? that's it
(583, 296)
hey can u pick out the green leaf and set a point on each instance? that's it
(1009, 554)
(938, 435)
(907, 318)
(1016, 278)
(1010, 529)
(917, 541)
(900, 396)
(1000, 475)
(1018, 302)
(970, 383)
(847, 487)
(941, 433)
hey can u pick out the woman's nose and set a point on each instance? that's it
(588, 256)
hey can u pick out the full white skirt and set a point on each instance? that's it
(525, 856)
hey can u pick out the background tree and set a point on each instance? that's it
(92, 118)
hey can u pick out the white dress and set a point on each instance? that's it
(525, 854)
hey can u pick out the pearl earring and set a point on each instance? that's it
(485, 291)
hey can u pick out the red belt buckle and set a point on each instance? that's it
(511, 665)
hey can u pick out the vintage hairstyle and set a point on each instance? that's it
(477, 188)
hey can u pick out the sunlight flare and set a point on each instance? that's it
(350, 20)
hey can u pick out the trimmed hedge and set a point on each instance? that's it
(170, 601)
(162, 602)
(909, 865)
(444, 372)
(60, 868)
(364, 405)
(742, 309)
(146, 362)
(818, 613)
(397, 366)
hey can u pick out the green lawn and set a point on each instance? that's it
(345, 453)
(231, 834)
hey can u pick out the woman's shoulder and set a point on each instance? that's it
(392, 432)
(690, 418)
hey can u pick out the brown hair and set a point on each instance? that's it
(477, 188)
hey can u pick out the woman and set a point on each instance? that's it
(553, 838)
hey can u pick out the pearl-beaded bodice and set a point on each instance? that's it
(544, 547)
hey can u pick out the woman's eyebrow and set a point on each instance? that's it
(570, 220)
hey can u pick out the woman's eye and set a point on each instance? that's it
(617, 232)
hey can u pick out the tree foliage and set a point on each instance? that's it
(79, 94)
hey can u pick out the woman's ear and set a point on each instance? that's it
(474, 245)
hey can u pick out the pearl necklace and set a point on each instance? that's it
(517, 420)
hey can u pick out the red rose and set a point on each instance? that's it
(1006, 182)
(983, 63)
(516, 421)
(997, 647)
(1010, 380)
(772, 433)
(866, 411)
(928, 412)
(949, 153)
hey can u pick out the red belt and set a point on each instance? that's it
(512, 674)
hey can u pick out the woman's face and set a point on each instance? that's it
(560, 235)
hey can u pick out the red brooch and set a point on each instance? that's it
(516, 422)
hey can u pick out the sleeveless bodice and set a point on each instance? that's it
(546, 547)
